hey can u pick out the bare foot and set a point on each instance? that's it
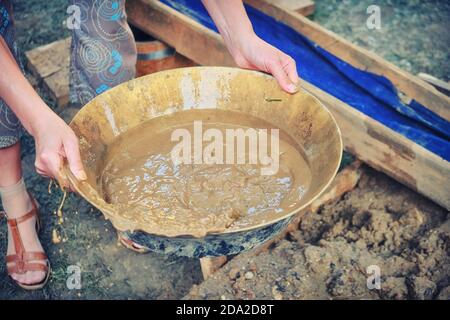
(31, 243)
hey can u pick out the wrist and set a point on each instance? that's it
(40, 120)
(241, 41)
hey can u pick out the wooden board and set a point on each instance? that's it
(146, 65)
(209, 265)
(188, 37)
(50, 64)
(439, 84)
(369, 140)
(303, 7)
(410, 85)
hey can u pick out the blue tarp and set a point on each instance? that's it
(371, 94)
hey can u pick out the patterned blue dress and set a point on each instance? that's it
(103, 51)
(103, 55)
(10, 127)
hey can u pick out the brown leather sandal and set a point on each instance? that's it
(21, 259)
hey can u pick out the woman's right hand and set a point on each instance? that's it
(55, 141)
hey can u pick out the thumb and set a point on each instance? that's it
(278, 71)
(72, 152)
(290, 67)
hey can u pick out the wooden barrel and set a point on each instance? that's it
(154, 55)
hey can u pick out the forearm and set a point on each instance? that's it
(18, 93)
(231, 21)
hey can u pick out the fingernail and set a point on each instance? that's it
(81, 175)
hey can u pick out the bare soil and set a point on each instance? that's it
(380, 223)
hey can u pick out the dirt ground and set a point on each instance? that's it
(379, 223)
(413, 35)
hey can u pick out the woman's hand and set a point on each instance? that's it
(256, 54)
(55, 141)
(248, 50)
(54, 138)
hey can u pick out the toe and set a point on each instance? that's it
(28, 278)
(37, 276)
(34, 277)
(20, 278)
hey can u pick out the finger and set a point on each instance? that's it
(49, 164)
(277, 70)
(42, 173)
(39, 170)
(71, 188)
(72, 151)
(290, 67)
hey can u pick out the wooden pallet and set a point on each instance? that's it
(366, 138)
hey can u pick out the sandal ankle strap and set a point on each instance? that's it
(15, 221)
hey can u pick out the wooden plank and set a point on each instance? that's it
(303, 7)
(189, 39)
(48, 59)
(410, 85)
(210, 265)
(388, 151)
(439, 84)
(50, 64)
(57, 85)
(369, 140)
(345, 181)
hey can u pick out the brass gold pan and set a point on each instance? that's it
(252, 93)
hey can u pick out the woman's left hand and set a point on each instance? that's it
(256, 54)
(248, 50)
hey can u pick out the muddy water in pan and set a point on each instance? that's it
(207, 188)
